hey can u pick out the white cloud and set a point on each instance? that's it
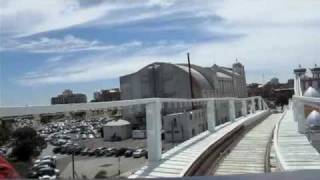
(101, 66)
(277, 37)
(67, 44)
(28, 17)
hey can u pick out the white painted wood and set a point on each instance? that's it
(232, 111)
(211, 116)
(153, 116)
(293, 150)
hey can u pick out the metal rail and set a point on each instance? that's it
(243, 163)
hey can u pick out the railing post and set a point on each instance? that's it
(299, 116)
(253, 106)
(244, 108)
(232, 111)
(260, 103)
(211, 116)
(153, 116)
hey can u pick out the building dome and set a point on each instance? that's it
(311, 92)
(313, 119)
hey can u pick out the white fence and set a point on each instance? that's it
(298, 105)
(153, 113)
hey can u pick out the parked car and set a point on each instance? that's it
(128, 153)
(85, 151)
(110, 151)
(100, 151)
(120, 152)
(78, 149)
(48, 173)
(3, 151)
(46, 159)
(91, 136)
(91, 152)
(139, 153)
(45, 162)
(56, 150)
(83, 136)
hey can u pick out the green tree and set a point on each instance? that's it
(27, 143)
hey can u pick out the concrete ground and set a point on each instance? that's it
(89, 167)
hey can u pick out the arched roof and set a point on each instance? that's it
(201, 80)
(196, 75)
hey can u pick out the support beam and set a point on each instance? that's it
(253, 106)
(232, 111)
(211, 115)
(260, 103)
(244, 108)
(299, 116)
(153, 115)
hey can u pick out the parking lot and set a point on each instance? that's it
(89, 166)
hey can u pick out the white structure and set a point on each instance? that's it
(313, 121)
(117, 130)
(153, 114)
(182, 126)
(166, 80)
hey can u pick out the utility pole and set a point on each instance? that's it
(119, 172)
(73, 171)
(190, 80)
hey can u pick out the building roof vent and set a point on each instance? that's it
(313, 120)
(311, 92)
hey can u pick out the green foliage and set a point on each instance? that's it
(101, 175)
(4, 135)
(27, 143)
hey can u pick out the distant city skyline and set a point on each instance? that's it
(87, 45)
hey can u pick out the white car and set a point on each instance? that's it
(83, 136)
(48, 173)
(46, 159)
(47, 177)
(90, 136)
(139, 153)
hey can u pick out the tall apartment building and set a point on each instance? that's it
(68, 97)
(106, 95)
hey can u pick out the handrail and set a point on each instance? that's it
(282, 163)
(27, 110)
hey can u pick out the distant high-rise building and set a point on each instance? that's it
(106, 95)
(68, 97)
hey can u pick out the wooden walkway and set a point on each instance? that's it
(293, 149)
(248, 156)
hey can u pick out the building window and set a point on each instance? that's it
(193, 132)
(175, 122)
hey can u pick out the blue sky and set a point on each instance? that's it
(49, 46)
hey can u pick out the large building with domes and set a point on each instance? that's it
(167, 80)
